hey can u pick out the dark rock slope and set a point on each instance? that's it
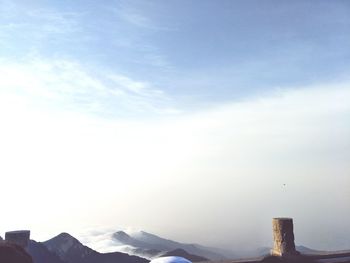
(41, 254)
(10, 253)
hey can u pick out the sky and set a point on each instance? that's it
(198, 121)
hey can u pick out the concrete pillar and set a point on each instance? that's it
(20, 237)
(283, 237)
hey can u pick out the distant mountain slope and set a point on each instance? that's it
(10, 253)
(146, 240)
(125, 239)
(263, 251)
(306, 250)
(41, 254)
(140, 252)
(183, 253)
(70, 250)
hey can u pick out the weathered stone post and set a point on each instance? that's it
(20, 237)
(283, 238)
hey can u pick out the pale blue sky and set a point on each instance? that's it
(114, 109)
(195, 52)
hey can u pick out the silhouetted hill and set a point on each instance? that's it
(70, 250)
(183, 253)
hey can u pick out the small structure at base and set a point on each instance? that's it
(170, 260)
(283, 238)
(20, 238)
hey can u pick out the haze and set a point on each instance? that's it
(195, 120)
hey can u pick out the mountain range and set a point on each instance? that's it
(140, 247)
(64, 248)
(149, 246)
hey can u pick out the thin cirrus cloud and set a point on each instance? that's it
(53, 32)
(35, 24)
(67, 84)
(136, 19)
(137, 14)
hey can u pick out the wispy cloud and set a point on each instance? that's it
(135, 87)
(142, 24)
(38, 22)
(136, 19)
(67, 84)
(136, 15)
(55, 22)
(53, 77)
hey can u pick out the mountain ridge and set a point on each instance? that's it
(71, 250)
(163, 244)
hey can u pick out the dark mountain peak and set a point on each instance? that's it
(121, 234)
(64, 245)
(64, 234)
(146, 233)
(63, 237)
(122, 237)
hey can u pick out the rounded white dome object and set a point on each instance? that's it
(170, 260)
